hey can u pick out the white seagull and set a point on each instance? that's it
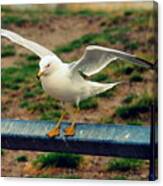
(67, 82)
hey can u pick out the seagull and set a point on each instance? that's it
(69, 82)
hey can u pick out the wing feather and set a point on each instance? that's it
(96, 58)
(34, 47)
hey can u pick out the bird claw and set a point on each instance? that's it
(69, 131)
(54, 132)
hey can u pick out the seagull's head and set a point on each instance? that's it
(47, 65)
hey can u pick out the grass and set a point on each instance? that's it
(63, 160)
(142, 105)
(22, 158)
(118, 178)
(124, 164)
(89, 103)
(57, 176)
(136, 77)
(32, 57)
(138, 123)
(99, 77)
(111, 35)
(8, 50)
(59, 11)
(129, 98)
(12, 19)
(107, 120)
(14, 77)
(2, 152)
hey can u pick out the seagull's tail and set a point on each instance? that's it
(97, 88)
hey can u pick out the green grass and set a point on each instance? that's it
(8, 50)
(57, 176)
(14, 77)
(142, 105)
(22, 158)
(107, 120)
(63, 160)
(89, 103)
(12, 19)
(32, 57)
(100, 77)
(2, 152)
(123, 67)
(129, 98)
(118, 178)
(124, 164)
(111, 35)
(136, 77)
(59, 11)
(138, 123)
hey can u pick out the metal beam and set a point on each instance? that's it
(93, 139)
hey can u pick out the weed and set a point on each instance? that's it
(106, 94)
(136, 77)
(22, 158)
(11, 19)
(57, 176)
(58, 160)
(107, 120)
(119, 178)
(32, 57)
(2, 152)
(124, 164)
(128, 12)
(99, 77)
(142, 105)
(8, 50)
(89, 103)
(129, 98)
(138, 123)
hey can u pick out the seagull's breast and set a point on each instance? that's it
(60, 86)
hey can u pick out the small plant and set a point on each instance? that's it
(142, 105)
(10, 19)
(129, 98)
(58, 160)
(28, 93)
(119, 178)
(8, 50)
(100, 77)
(107, 120)
(57, 176)
(138, 123)
(136, 77)
(128, 12)
(22, 158)
(124, 164)
(88, 103)
(32, 57)
(2, 152)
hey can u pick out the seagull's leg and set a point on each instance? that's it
(70, 131)
(56, 130)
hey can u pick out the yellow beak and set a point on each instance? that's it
(40, 73)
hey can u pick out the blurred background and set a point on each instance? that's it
(67, 29)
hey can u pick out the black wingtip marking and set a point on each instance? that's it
(147, 63)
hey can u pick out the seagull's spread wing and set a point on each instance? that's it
(34, 47)
(96, 58)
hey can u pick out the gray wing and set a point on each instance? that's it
(34, 47)
(96, 58)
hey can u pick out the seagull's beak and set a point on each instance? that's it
(40, 73)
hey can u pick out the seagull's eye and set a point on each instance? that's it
(48, 65)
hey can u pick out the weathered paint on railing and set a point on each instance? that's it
(93, 139)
